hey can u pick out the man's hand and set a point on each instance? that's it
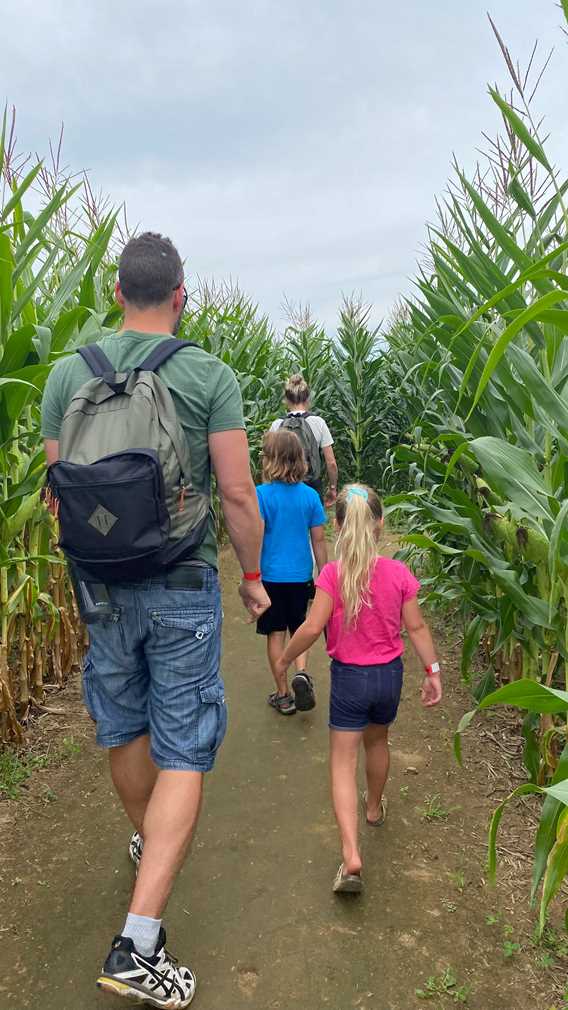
(255, 598)
(330, 497)
(431, 692)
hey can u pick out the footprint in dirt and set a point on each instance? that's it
(247, 979)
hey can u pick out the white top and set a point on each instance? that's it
(317, 424)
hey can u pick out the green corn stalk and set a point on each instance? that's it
(482, 347)
(55, 284)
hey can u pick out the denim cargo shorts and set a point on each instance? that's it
(153, 668)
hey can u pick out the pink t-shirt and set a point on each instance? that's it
(376, 636)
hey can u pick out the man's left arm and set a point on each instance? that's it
(52, 411)
(229, 454)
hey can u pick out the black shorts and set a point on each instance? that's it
(317, 485)
(289, 606)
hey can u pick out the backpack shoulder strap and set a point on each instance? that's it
(101, 367)
(96, 359)
(162, 353)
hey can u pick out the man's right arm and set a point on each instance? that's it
(230, 460)
(51, 447)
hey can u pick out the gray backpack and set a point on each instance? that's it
(122, 486)
(299, 425)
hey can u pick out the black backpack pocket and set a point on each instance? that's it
(112, 513)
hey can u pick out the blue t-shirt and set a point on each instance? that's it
(289, 512)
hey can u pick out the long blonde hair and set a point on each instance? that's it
(358, 511)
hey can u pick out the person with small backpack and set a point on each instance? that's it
(314, 435)
(133, 426)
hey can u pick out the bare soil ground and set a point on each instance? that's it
(253, 911)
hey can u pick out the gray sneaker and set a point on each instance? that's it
(304, 694)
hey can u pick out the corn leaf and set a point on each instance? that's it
(6, 284)
(546, 834)
(519, 128)
(556, 868)
(509, 333)
(462, 725)
(523, 790)
(530, 695)
(513, 472)
(538, 386)
(19, 192)
(521, 197)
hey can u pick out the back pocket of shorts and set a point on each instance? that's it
(199, 622)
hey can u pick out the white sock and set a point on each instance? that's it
(143, 931)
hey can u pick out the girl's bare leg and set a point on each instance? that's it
(275, 647)
(377, 761)
(344, 747)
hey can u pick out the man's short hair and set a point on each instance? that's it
(149, 269)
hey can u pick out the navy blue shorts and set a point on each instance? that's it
(361, 695)
(153, 668)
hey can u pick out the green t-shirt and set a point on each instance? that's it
(205, 392)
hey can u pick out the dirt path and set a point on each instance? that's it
(253, 911)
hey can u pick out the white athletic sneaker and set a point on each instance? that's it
(135, 849)
(157, 980)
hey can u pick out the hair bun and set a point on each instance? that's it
(296, 389)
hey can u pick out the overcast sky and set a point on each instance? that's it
(294, 145)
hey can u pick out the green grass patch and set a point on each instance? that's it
(15, 770)
(16, 767)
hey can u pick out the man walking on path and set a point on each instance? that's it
(151, 677)
(314, 435)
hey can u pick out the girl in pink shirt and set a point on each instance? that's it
(364, 600)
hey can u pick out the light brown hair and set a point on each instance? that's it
(358, 511)
(283, 457)
(296, 389)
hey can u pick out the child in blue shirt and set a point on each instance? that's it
(293, 515)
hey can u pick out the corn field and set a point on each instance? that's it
(57, 271)
(54, 284)
(483, 351)
(457, 410)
